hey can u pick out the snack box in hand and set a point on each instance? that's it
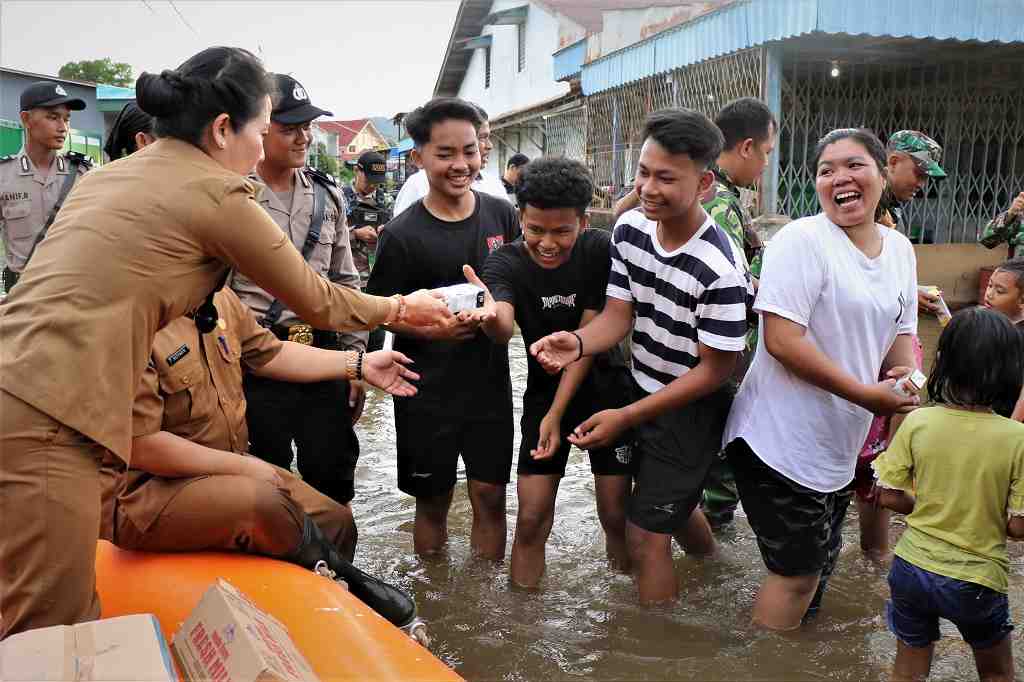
(462, 297)
(227, 637)
(123, 648)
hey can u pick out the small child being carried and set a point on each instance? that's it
(957, 470)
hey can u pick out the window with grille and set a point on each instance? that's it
(521, 46)
(487, 67)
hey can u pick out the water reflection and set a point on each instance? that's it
(584, 622)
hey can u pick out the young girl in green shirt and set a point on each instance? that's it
(957, 470)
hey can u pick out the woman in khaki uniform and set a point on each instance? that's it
(192, 485)
(138, 243)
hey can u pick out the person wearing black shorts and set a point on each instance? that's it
(464, 404)
(554, 279)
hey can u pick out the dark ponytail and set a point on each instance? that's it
(218, 80)
(129, 122)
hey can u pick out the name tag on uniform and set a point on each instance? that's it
(173, 358)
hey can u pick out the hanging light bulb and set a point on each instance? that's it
(834, 72)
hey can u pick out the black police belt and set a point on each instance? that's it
(300, 332)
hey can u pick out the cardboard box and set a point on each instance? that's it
(124, 648)
(227, 637)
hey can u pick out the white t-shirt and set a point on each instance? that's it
(853, 308)
(416, 187)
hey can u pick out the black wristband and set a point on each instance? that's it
(581, 344)
(359, 365)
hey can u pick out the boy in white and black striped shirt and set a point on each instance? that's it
(674, 268)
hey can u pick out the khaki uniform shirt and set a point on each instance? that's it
(331, 257)
(138, 243)
(26, 198)
(192, 388)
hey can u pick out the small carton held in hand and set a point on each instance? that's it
(462, 297)
(227, 637)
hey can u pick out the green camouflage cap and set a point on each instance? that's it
(925, 151)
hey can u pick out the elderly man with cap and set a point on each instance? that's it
(365, 214)
(912, 158)
(309, 208)
(35, 181)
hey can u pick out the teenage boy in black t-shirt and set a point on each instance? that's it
(464, 403)
(554, 279)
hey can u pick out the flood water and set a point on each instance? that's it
(584, 622)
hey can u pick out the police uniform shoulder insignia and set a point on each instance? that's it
(320, 176)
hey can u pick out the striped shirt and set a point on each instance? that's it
(681, 298)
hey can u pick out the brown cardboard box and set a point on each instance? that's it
(227, 637)
(125, 648)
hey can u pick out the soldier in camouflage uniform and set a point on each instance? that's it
(749, 130)
(1006, 228)
(912, 158)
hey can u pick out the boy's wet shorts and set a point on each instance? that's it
(798, 530)
(920, 598)
(610, 461)
(673, 453)
(429, 449)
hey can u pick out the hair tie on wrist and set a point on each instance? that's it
(581, 344)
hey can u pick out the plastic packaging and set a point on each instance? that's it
(462, 297)
(944, 314)
(911, 384)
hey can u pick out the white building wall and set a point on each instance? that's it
(511, 89)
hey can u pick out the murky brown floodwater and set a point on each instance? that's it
(584, 622)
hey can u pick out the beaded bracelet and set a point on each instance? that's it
(359, 365)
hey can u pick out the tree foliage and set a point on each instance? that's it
(326, 163)
(104, 71)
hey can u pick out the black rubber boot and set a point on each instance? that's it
(387, 600)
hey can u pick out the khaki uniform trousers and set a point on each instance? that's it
(49, 520)
(238, 514)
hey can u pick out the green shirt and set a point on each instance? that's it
(967, 469)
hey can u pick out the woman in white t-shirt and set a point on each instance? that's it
(837, 300)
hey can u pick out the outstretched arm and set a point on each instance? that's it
(556, 351)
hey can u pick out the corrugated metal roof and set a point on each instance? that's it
(569, 60)
(755, 22)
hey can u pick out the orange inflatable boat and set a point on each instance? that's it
(342, 638)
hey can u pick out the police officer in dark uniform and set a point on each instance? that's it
(309, 208)
(366, 210)
(35, 181)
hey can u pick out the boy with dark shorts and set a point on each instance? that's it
(674, 268)
(554, 279)
(464, 404)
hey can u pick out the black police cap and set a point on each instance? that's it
(293, 105)
(48, 94)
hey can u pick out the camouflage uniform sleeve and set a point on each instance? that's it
(1004, 228)
(722, 211)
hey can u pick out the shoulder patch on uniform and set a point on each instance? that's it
(320, 176)
(177, 355)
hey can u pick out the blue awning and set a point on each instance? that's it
(747, 23)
